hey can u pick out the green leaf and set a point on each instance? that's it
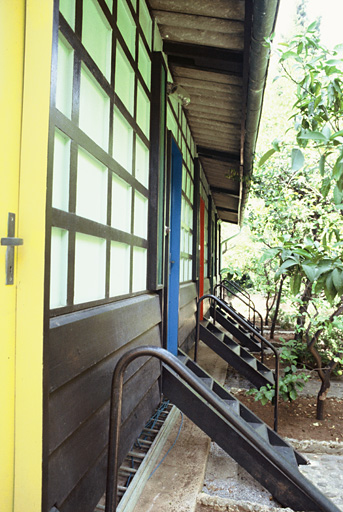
(322, 165)
(293, 394)
(337, 279)
(265, 157)
(298, 159)
(311, 272)
(285, 266)
(305, 134)
(295, 284)
(325, 188)
(329, 289)
(312, 26)
(337, 134)
(269, 254)
(337, 195)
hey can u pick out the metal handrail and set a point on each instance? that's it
(206, 394)
(246, 303)
(240, 290)
(245, 324)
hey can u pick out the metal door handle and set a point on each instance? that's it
(10, 242)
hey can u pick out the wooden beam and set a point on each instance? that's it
(205, 58)
(225, 191)
(215, 154)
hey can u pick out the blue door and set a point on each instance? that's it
(174, 248)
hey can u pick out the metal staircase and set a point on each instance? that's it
(234, 327)
(257, 448)
(235, 355)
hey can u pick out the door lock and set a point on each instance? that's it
(10, 242)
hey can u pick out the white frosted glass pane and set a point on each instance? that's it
(60, 180)
(143, 111)
(190, 243)
(94, 109)
(91, 189)
(124, 80)
(122, 141)
(121, 204)
(181, 271)
(67, 8)
(59, 268)
(139, 269)
(141, 216)
(182, 243)
(64, 85)
(120, 269)
(126, 26)
(190, 265)
(145, 21)
(96, 36)
(144, 63)
(90, 268)
(184, 178)
(142, 162)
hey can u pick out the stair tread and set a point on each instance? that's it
(207, 381)
(261, 429)
(287, 453)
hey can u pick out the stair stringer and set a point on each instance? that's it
(282, 479)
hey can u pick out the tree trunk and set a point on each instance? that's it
(301, 318)
(321, 397)
(277, 307)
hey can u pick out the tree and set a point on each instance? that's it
(305, 201)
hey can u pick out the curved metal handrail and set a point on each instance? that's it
(245, 324)
(246, 303)
(240, 290)
(205, 393)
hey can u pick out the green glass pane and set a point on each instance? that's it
(64, 86)
(126, 25)
(67, 9)
(124, 80)
(144, 63)
(97, 36)
(143, 111)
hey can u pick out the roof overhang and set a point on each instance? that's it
(215, 52)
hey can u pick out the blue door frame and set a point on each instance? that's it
(175, 231)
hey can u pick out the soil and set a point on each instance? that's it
(297, 419)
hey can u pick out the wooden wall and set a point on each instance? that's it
(187, 312)
(83, 349)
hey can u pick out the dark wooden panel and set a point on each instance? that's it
(80, 340)
(186, 329)
(89, 490)
(188, 292)
(79, 452)
(73, 403)
(188, 311)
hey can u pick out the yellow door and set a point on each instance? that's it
(25, 62)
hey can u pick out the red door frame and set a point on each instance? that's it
(202, 254)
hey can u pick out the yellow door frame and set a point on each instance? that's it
(25, 57)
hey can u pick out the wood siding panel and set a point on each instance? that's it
(81, 373)
(188, 298)
(80, 340)
(71, 405)
(89, 490)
